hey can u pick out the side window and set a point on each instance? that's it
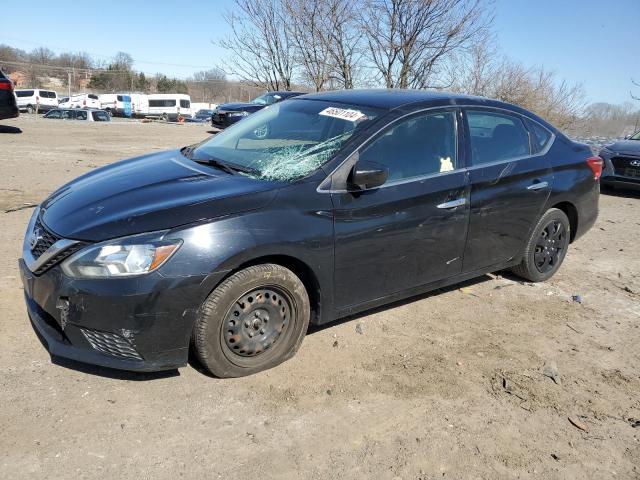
(420, 145)
(66, 114)
(100, 116)
(81, 114)
(540, 136)
(93, 97)
(496, 136)
(53, 114)
(185, 103)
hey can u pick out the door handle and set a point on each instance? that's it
(538, 186)
(453, 203)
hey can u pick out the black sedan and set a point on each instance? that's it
(229, 113)
(8, 106)
(622, 163)
(201, 116)
(343, 202)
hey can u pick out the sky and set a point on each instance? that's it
(593, 42)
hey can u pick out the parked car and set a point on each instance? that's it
(36, 99)
(352, 200)
(80, 100)
(169, 106)
(622, 163)
(201, 116)
(87, 115)
(8, 106)
(230, 113)
(116, 104)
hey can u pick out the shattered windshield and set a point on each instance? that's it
(288, 140)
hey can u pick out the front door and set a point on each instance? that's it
(411, 230)
(509, 187)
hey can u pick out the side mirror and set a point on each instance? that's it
(367, 175)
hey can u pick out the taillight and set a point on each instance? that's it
(6, 86)
(84, 102)
(595, 164)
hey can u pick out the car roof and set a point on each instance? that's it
(389, 99)
(392, 98)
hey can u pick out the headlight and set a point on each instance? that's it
(120, 259)
(238, 114)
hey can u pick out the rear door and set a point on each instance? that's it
(410, 231)
(509, 187)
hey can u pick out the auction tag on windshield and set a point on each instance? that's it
(343, 113)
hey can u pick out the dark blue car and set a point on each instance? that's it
(229, 113)
(308, 211)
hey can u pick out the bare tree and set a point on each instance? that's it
(207, 85)
(262, 51)
(343, 38)
(631, 93)
(409, 39)
(304, 21)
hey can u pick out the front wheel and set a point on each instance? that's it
(30, 109)
(254, 320)
(546, 248)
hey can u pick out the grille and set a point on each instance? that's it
(47, 239)
(111, 344)
(45, 242)
(59, 257)
(622, 164)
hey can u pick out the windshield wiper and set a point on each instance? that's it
(215, 163)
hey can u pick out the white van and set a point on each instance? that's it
(81, 100)
(139, 104)
(169, 105)
(118, 104)
(30, 100)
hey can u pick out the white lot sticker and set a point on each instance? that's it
(343, 113)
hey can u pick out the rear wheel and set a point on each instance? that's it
(30, 109)
(254, 320)
(546, 248)
(165, 117)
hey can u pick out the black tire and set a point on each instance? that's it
(165, 117)
(227, 321)
(30, 109)
(547, 247)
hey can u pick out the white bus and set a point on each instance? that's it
(169, 105)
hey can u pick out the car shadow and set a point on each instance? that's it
(111, 372)
(9, 129)
(620, 192)
(457, 286)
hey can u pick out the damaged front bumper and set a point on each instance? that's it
(138, 324)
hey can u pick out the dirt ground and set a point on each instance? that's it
(447, 385)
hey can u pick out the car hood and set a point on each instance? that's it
(153, 192)
(234, 107)
(625, 146)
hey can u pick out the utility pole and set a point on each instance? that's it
(69, 82)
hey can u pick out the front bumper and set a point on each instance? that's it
(141, 324)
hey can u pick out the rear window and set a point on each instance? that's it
(100, 116)
(185, 103)
(47, 94)
(2, 75)
(540, 136)
(496, 137)
(162, 103)
(24, 93)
